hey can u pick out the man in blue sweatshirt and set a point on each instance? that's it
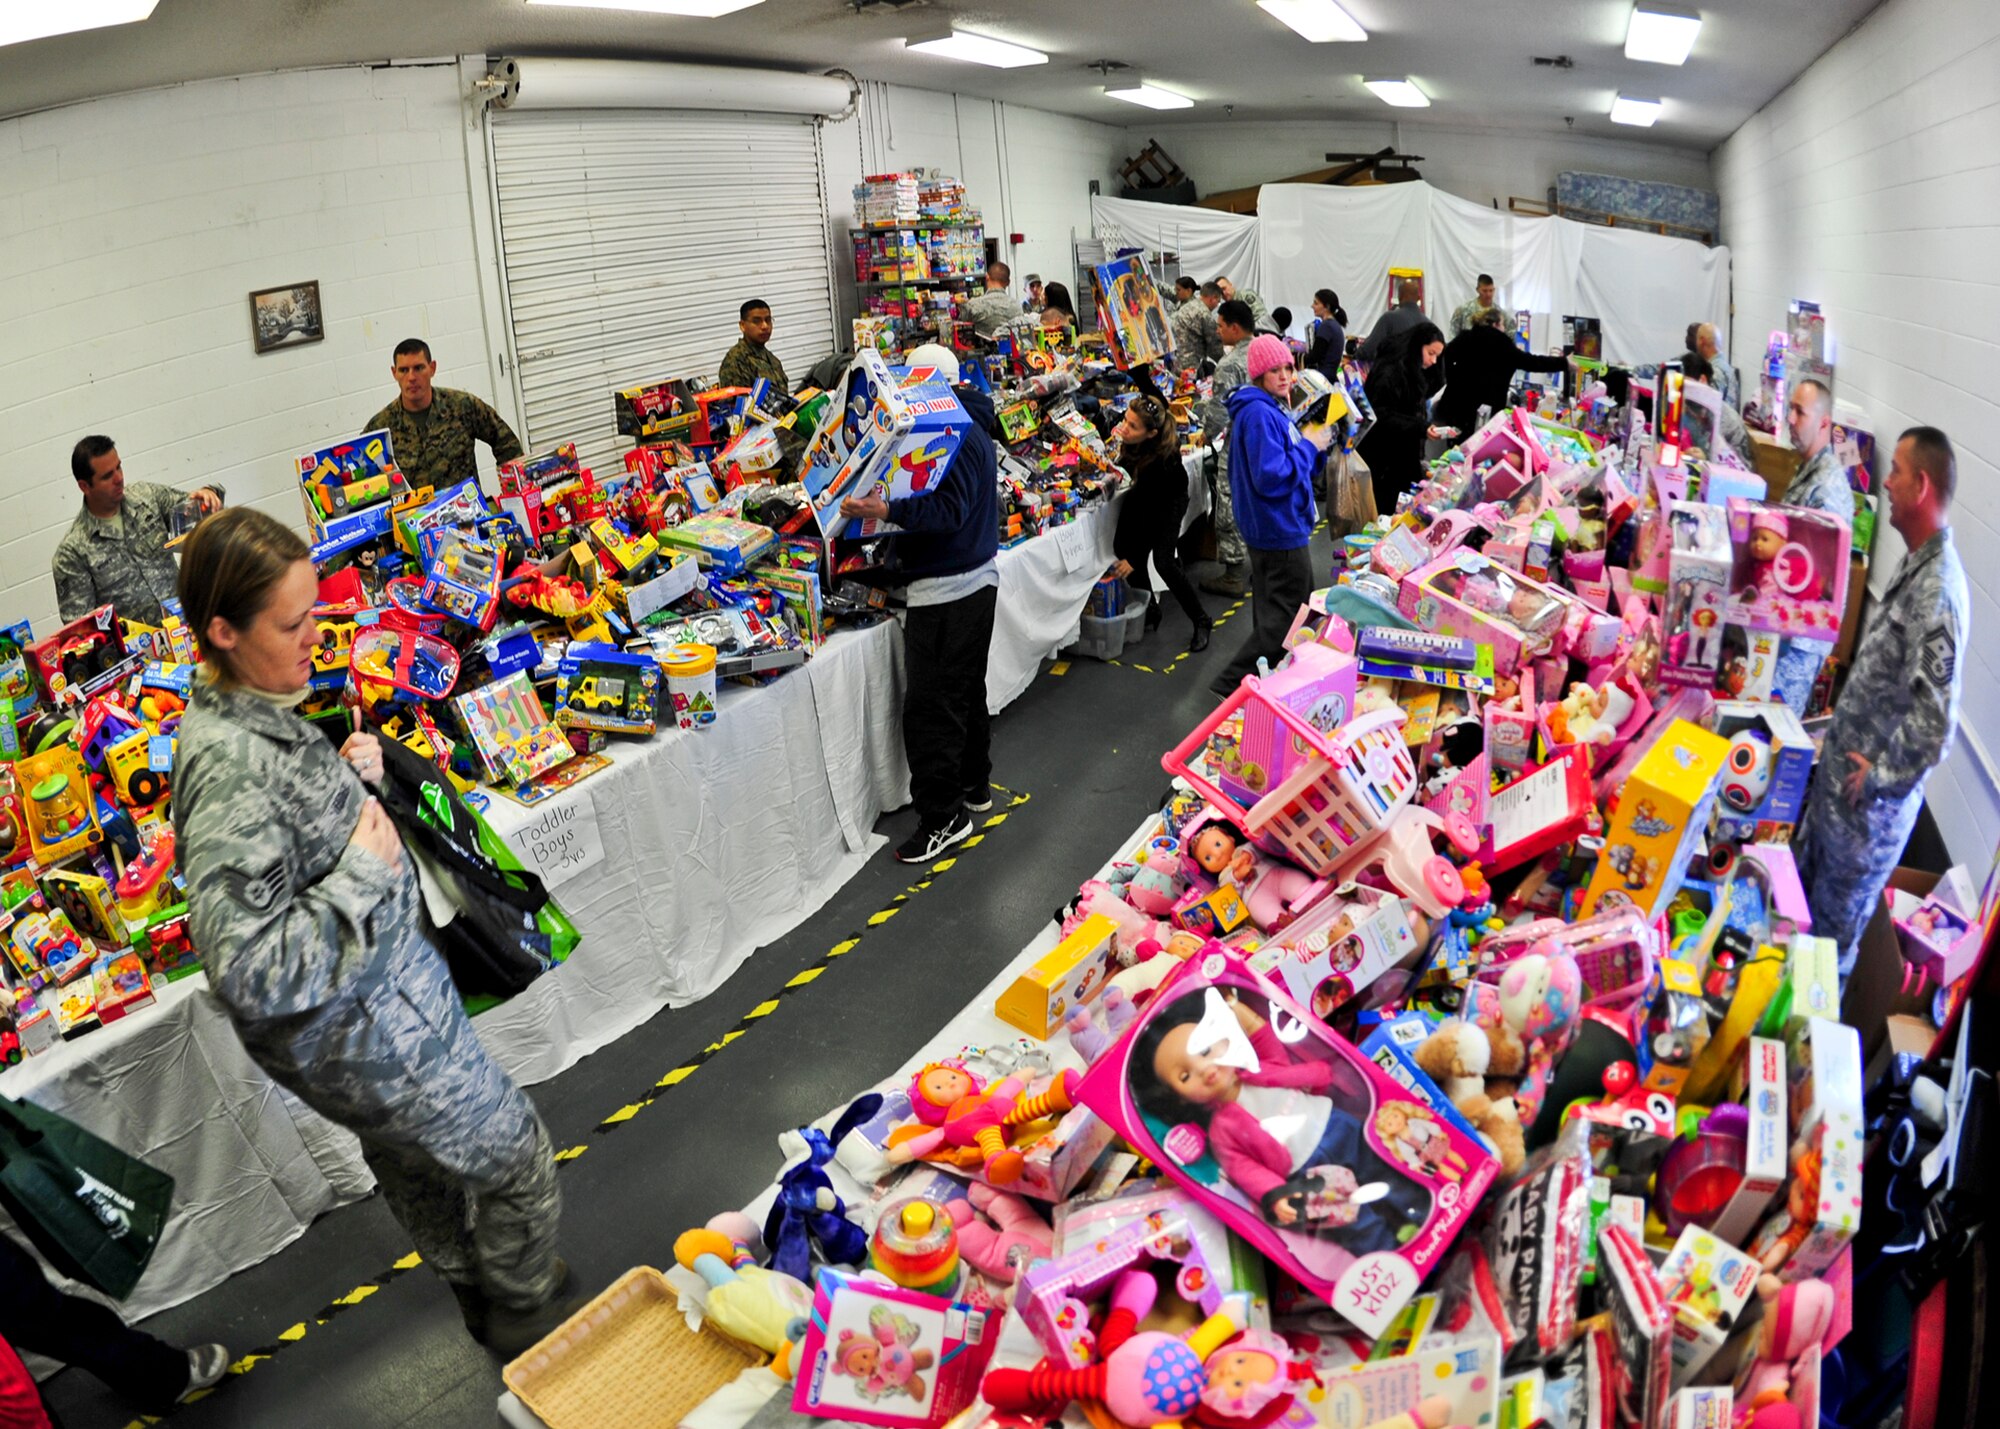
(945, 558)
(1271, 468)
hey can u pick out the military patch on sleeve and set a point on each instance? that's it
(1937, 657)
(259, 892)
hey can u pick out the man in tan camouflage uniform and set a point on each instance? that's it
(1236, 324)
(433, 428)
(995, 308)
(115, 552)
(752, 357)
(1195, 338)
(1259, 314)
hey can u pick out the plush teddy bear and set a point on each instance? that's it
(1016, 1237)
(1458, 1056)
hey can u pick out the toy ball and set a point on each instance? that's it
(1746, 772)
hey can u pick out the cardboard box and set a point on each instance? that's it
(1708, 1406)
(1698, 568)
(1708, 1282)
(1073, 974)
(1672, 1028)
(888, 433)
(1662, 809)
(1879, 984)
(722, 542)
(1825, 1080)
(1822, 1207)
(1797, 584)
(350, 485)
(1759, 1087)
(121, 986)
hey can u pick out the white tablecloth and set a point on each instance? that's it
(1045, 584)
(715, 844)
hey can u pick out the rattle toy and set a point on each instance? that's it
(1151, 1378)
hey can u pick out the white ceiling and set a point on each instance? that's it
(1474, 57)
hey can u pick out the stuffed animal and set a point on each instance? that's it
(1134, 927)
(1458, 1056)
(1796, 1319)
(1590, 715)
(1015, 1239)
(1156, 960)
(1090, 1040)
(759, 1307)
(807, 1210)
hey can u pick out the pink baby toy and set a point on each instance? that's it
(1274, 892)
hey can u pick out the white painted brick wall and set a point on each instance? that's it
(133, 229)
(1872, 186)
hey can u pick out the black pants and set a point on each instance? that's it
(36, 1316)
(946, 730)
(1167, 561)
(1280, 582)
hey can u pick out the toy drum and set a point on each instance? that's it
(690, 671)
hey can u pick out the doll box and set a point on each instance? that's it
(1464, 593)
(1298, 1143)
(1708, 1282)
(1822, 1209)
(881, 1354)
(1392, 1046)
(1662, 809)
(1070, 975)
(1696, 607)
(1344, 951)
(1790, 569)
(1053, 1297)
(1057, 1161)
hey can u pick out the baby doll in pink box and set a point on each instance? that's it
(1209, 1061)
(1768, 533)
(1272, 890)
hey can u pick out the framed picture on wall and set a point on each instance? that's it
(286, 317)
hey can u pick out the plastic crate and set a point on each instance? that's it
(1101, 637)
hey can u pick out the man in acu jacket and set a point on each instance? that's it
(946, 561)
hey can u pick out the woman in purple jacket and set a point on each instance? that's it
(1271, 469)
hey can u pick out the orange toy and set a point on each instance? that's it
(972, 1131)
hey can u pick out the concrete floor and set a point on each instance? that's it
(1083, 747)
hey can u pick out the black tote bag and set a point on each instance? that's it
(93, 1212)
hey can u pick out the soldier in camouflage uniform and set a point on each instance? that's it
(1466, 314)
(1260, 316)
(1821, 485)
(1233, 322)
(1195, 337)
(316, 940)
(994, 309)
(115, 552)
(752, 357)
(1895, 718)
(432, 429)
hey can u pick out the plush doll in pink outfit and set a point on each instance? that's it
(1268, 887)
(1796, 1319)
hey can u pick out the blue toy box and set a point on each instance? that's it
(887, 433)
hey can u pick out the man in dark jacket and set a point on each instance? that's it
(1407, 313)
(1479, 367)
(946, 559)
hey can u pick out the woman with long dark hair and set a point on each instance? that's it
(1149, 521)
(1326, 334)
(1399, 389)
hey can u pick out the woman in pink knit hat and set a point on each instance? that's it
(1271, 469)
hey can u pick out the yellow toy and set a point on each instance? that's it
(762, 1308)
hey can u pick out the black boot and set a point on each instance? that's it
(1199, 640)
(512, 1333)
(1154, 612)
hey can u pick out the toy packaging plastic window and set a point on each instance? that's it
(1279, 1127)
(1535, 1242)
(880, 1354)
(512, 731)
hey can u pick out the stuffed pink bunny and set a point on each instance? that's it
(1016, 1237)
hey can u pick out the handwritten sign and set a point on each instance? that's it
(560, 841)
(1074, 545)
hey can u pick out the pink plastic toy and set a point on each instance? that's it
(1781, 1390)
(1016, 1236)
(1407, 861)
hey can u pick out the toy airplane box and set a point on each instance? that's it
(1763, 790)
(1070, 976)
(350, 486)
(1662, 808)
(891, 433)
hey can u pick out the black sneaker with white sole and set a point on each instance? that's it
(930, 840)
(206, 1366)
(979, 799)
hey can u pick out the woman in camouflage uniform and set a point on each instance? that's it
(314, 933)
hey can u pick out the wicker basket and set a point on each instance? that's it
(627, 1358)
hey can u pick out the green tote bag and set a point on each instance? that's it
(95, 1213)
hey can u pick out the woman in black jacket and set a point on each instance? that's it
(1149, 521)
(1326, 334)
(1399, 388)
(1479, 367)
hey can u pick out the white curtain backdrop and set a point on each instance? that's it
(1644, 288)
(1210, 244)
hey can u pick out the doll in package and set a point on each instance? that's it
(1277, 1125)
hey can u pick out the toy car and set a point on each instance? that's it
(599, 692)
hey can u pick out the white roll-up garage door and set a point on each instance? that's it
(630, 238)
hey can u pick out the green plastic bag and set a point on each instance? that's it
(93, 1212)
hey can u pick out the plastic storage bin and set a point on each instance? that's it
(1101, 637)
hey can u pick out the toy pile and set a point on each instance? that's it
(912, 197)
(1453, 1049)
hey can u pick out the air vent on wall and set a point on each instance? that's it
(1555, 61)
(862, 7)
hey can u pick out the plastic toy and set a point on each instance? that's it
(84, 657)
(1016, 1237)
(604, 687)
(462, 577)
(146, 885)
(61, 814)
(1151, 1378)
(966, 1116)
(759, 1307)
(388, 665)
(807, 1211)
(916, 1246)
(129, 764)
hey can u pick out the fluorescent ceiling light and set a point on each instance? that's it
(690, 9)
(1661, 34)
(1137, 91)
(22, 20)
(1403, 93)
(1317, 20)
(1641, 112)
(976, 49)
